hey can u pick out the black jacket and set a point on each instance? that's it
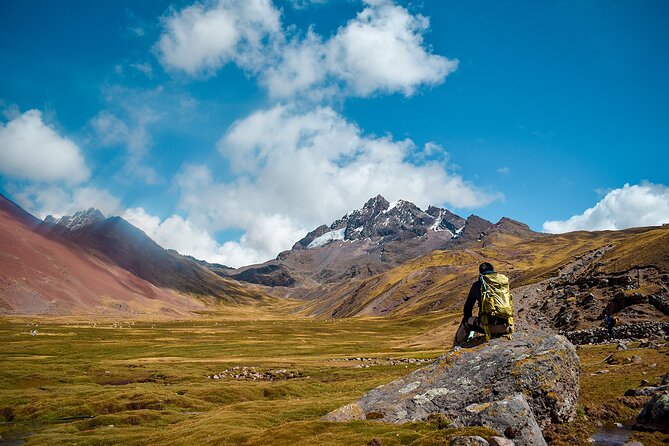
(473, 297)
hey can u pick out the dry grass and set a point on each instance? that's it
(146, 382)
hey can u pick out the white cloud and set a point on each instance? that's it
(203, 38)
(58, 201)
(295, 171)
(645, 204)
(174, 233)
(380, 50)
(184, 236)
(32, 150)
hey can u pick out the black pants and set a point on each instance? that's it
(500, 327)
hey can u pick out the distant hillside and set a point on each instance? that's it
(86, 264)
(540, 269)
(130, 248)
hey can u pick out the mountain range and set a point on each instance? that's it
(383, 259)
(370, 241)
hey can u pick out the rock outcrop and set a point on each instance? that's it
(513, 386)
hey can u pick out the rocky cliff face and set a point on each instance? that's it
(513, 386)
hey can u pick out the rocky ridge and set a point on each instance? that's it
(380, 219)
(77, 221)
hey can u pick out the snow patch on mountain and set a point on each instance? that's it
(327, 238)
(437, 225)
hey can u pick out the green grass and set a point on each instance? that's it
(602, 397)
(147, 382)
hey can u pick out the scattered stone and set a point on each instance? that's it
(253, 374)
(383, 361)
(587, 299)
(633, 443)
(468, 441)
(622, 300)
(621, 346)
(566, 317)
(647, 343)
(655, 416)
(647, 391)
(374, 442)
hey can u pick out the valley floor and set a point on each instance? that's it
(255, 380)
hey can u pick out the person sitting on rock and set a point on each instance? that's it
(495, 317)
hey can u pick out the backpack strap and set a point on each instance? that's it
(484, 316)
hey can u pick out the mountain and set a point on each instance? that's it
(119, 242)
(371, 240)
(88, 263)
(559, 282)
(45, 274)
(76, 221)
(384, 222)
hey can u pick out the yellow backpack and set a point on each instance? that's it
(495, 300)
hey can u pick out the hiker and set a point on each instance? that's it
(610, 322)
(495, 317)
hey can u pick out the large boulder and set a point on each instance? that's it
(655, 415)
(541, 370)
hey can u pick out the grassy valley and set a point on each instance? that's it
(131, 382)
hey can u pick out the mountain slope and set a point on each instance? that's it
(441, 279)
(46, 275)
(130, 248)
(88, 263)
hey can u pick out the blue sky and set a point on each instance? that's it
(226, 129)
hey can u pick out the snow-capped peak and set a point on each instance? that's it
(382, 222)
(78, 220)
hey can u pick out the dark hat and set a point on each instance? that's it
(486, 267)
